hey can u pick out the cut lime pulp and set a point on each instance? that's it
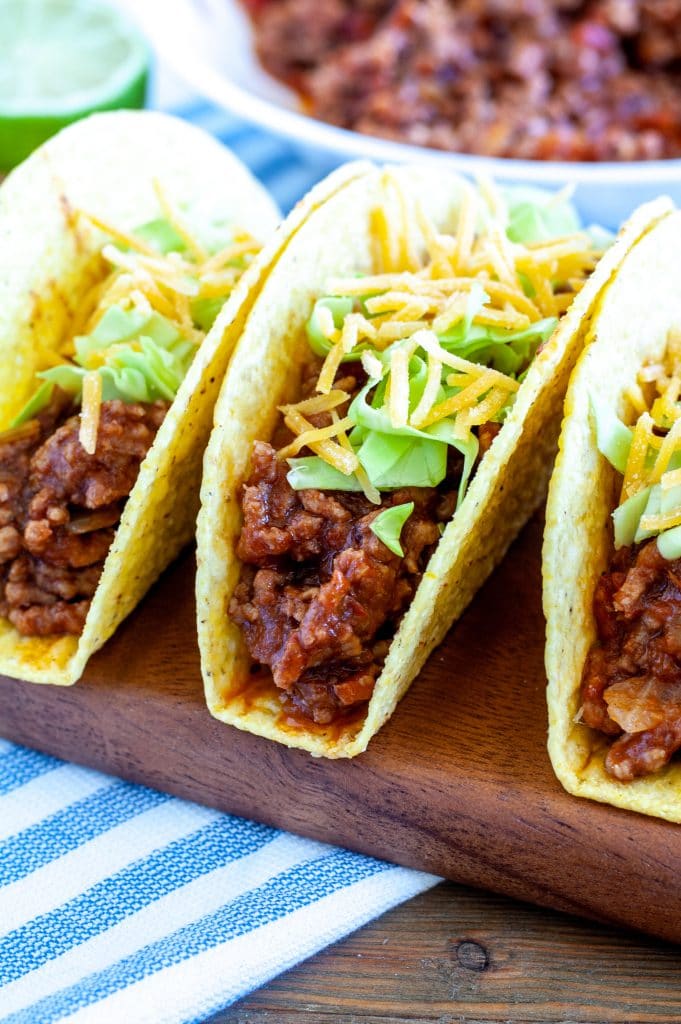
(61, 60)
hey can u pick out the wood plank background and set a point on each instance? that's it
(453, 955)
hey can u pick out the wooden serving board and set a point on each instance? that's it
(457, 783)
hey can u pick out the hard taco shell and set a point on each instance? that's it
(509, 484)
(629, 327)
(106, 166)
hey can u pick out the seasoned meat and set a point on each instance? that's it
(631, 686)
(320, 588)
(59, 507)
(44, 599)
(538, 79)
(295, 35)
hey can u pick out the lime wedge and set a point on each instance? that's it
(61, 60)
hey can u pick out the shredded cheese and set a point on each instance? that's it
(133, 275)
(317, 404)
(90, 411)
(670, 479)
(312, 436)
(663, 521)
(423, 285)
(172, 215)
(398, 405)
(656, 442)
(319, 440)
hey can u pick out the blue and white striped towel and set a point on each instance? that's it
(120, 904)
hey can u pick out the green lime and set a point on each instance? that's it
(61, 60)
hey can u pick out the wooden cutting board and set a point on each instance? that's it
(457, 783)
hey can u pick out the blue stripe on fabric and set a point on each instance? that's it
(129, 891)
(71, 827)
(282, 895)
(258, 151)
(279, 164)
(20, 765)
(234, 134)
(195, 110)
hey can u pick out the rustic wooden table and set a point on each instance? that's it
(457, 956)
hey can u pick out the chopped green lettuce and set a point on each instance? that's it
(391, 462)
(506, 351)
(205, 311)
(427, 462)
(388, 526)
(313, 472)
(538, 216)
(670, 499)
(669, 543)
(403, 456)
(652, 508)
(339, 307)
(627, 516)
(36, 403)
(161, 234)
(613, 439)
(140, 356)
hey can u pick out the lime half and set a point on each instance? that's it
(61, 60)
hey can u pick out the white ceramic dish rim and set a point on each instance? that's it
(190, 63)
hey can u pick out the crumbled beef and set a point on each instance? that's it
(59, 507)
(537, 79)
(631, 685)
(486, 434)
(295, 35)
(319, 589)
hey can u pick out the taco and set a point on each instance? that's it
(128, 261)
(612, 548)
(386, 427)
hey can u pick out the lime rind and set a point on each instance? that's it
(69, 36)
(61, 60)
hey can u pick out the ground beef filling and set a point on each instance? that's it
(59, 508)
(320, 594)
(631, 686)
(537, 79)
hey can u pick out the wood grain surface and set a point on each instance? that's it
(453, 955)
(457, 783)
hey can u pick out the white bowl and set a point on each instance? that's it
(209, 44)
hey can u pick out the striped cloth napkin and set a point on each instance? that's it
(120, 904)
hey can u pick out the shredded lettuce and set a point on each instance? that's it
(401, 456)
(313, 472)
(669, 543)
(405, 456)
(653, 507)
(339, 307)
(140, 355)
(627, 516)
(161, 234)
(613, 438)
(205, 311)
(392, 457)
(538, 216)
(506, 351)
(38, 401)
(391, 461)
(388, 526)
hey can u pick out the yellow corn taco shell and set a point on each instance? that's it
(509, 484)
(106, 166)
(630, 327)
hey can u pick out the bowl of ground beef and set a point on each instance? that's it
(548, 92)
